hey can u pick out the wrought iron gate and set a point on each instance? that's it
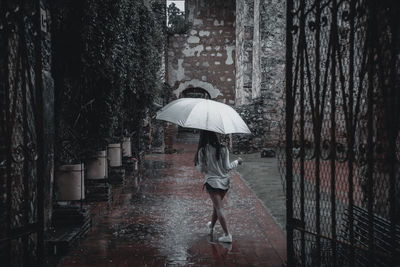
(21, 165)
(342, 144)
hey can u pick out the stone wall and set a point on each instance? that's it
(272, 49)
(265, 131)
(272, 67)
(260, 69)
(256, 68)
(204, 57)
(244, 50)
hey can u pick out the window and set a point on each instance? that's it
(176, 16)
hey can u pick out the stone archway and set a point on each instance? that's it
(195, 92)
(211, 89)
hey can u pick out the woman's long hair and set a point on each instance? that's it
(211, 138)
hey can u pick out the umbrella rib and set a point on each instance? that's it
(208, 108)
(222, 121)
(188, 116)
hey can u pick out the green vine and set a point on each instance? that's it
(115, 73)
(123, 47)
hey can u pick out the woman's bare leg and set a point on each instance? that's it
(217, 202)
(214, 217)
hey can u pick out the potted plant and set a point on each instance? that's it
(96, 160)
(115, 154)
(69, 170)
(66, 51)
(95, 152)
(126, 147)
(70, 182)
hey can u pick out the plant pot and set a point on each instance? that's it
(115, 155)
(70, 182)
(97, 166)
(126, 147)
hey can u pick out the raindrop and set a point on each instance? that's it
(345, 15)
(295, 28)
(311, 25)
(324, 21)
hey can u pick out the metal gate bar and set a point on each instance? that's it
(22, 237)
(333, 38)
(288, 134)
(341, 151)
(39, 130)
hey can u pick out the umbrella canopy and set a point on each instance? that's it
(203, 114)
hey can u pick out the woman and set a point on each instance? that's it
(212, 159)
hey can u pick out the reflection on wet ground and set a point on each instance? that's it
(161, 219)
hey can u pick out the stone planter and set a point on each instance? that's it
(97, 166)
(70, 182)
(115, 155)
(126, 147)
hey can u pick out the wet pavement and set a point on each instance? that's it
(160, 220)
(263, 177)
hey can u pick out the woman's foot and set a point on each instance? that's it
(225, 238)
(210, 229)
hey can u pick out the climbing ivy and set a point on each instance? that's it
(66, 69)
(123, 45)
(108, 73)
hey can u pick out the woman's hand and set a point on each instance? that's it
(240, 160)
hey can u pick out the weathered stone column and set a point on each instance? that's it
(272, 65)
(256, 70)
(244, 50)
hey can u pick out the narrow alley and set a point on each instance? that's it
(161, 219)
(104, 104)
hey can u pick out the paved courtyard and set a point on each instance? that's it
(160, 220)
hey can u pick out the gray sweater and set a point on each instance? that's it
(216, 171)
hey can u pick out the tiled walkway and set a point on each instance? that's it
(161, 221)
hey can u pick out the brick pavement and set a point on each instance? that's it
(160, 220)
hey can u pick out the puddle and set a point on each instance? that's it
(156, 164)
(138, 231)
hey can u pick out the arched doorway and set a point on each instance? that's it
(195, 92)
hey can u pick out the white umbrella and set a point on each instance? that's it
(203, 114)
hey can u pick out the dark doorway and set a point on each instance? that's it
(195, 93)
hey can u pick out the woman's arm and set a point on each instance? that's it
(225, 160)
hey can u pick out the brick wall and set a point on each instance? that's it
(204, 57)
